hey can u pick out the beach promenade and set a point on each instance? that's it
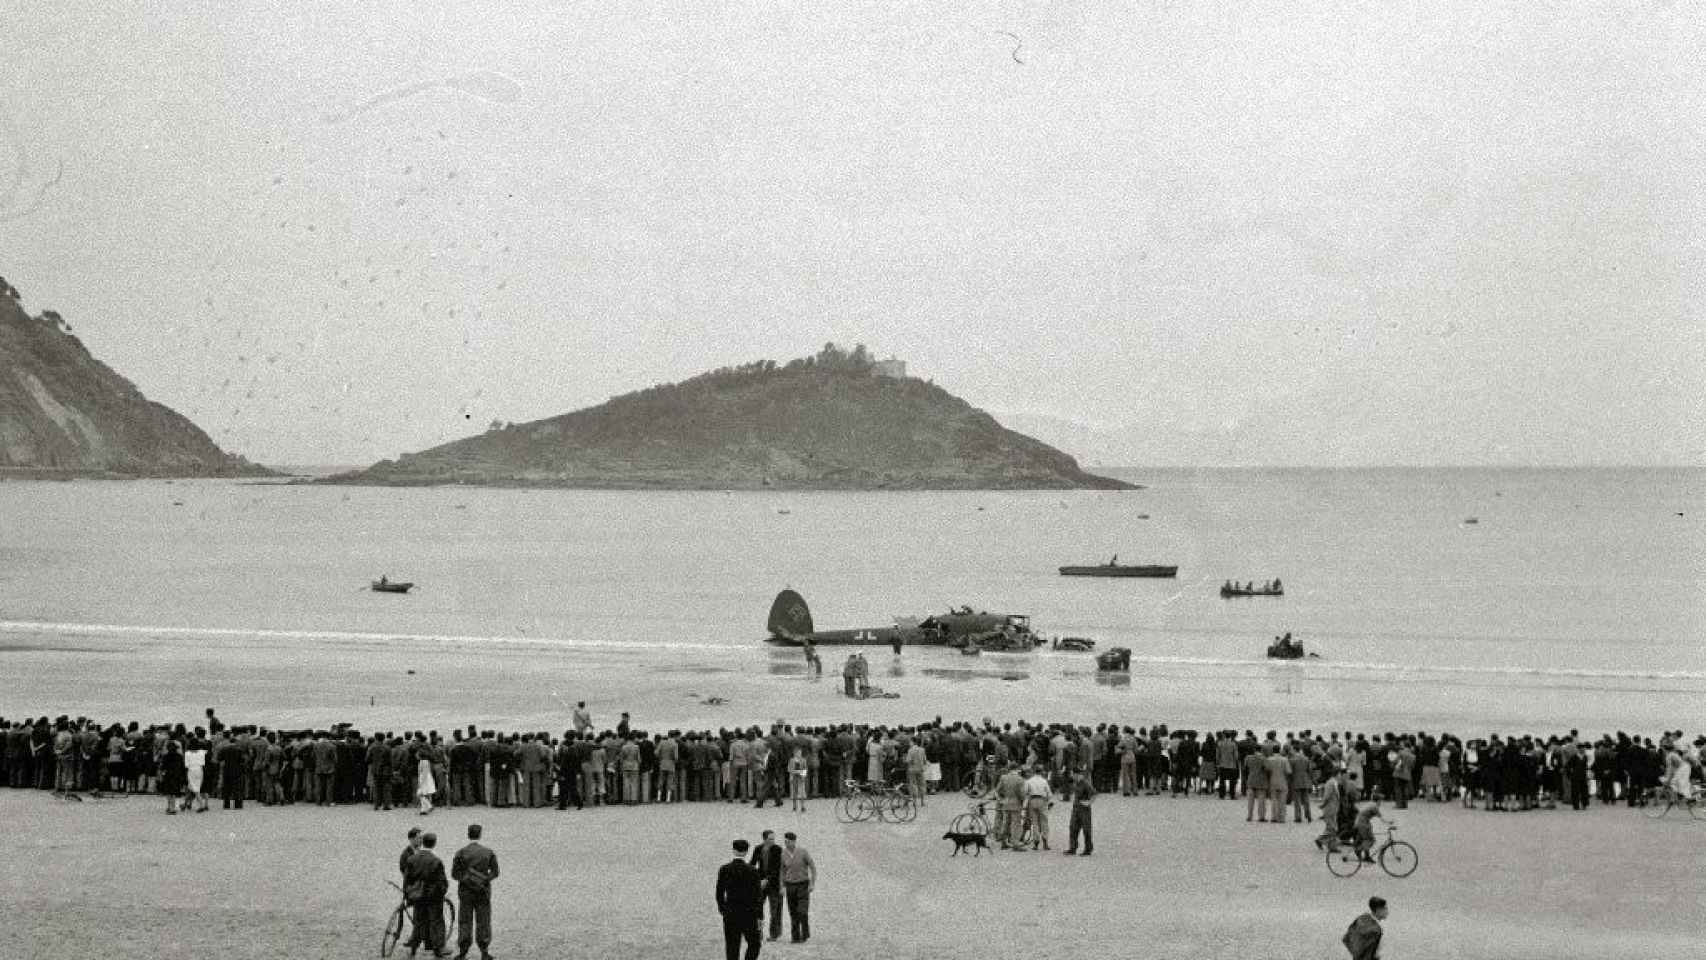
(1170, 878)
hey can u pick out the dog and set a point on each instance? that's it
(977, 842)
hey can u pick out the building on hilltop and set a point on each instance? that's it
(895, 369)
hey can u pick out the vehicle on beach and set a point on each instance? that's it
(1072, 643)
(791, 624)
(1285, 648)
(386, 585)
(1113, 659)
(1271, 588)
(1113, 568)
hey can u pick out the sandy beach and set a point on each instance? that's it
(1170, 878)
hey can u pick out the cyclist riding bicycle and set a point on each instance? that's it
(1364, 827)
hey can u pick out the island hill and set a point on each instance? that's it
(835, 421)
(65, 414)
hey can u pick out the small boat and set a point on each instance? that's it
(1285, 648)
(1232, 589)
(1113, 568)
(386, 585)
(1473, 520)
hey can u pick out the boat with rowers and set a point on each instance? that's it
(386, 585)
(1267, 588)
(1113, 568)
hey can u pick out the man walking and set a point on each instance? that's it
(424, 885)
(1362, 937)
(767, 860)
(1082, 793)
(738, 900)
(799, 879)
(474, 869)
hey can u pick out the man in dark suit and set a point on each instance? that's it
(233, 773)
(739, 900)
(474, 869)
(1362, 938)
(425, 886)
(767, 860)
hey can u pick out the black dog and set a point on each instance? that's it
(978, 842)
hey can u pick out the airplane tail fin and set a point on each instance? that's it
(789, 616)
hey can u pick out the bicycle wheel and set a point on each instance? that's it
(969, 823)
(845, 808)
(865, 808)
(449, 919)
(1658, 805)
(393, 931)
(902, 808)
(1343, 862)
(1399, 859)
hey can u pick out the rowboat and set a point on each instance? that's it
(383, 585)
(1274, 591)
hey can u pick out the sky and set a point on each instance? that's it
(1167, 234)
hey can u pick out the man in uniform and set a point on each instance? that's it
(1083, 791)
(739, 900)
(474, 868)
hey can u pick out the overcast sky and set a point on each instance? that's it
(1155, 233)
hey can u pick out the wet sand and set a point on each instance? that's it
(287, 680)
(1170, 878)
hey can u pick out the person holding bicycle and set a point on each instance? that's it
(425, 886)
(1038, 796)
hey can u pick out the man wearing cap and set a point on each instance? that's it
(1083, 791)
(474, 869)
(739, 900)
(799, 878)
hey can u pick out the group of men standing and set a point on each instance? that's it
(765, 876)
(425, 886)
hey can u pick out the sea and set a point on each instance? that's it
(1509, 580)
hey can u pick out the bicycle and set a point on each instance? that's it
(404, 916)
(1665, 799)
(890, 804)
(1397, 858)
(1030, 831)
(974, 820)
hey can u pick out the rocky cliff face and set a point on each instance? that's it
(826, 422)
(64, 413)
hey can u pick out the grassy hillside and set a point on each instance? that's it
(822, 422)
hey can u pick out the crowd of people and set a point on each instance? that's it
(585, 766)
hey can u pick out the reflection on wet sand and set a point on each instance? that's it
(963, 674)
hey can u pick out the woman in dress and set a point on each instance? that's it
(195, 760)
(172, 775)
(874, 759)
(424, 787)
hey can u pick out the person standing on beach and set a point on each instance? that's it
(583, 718)
(424, 886)
(474, 868)
(767, 860)
(797, 781)
(799, 879)
(1083, 791)
(739, 900)
(172, 775)
(1362, 937)
(1037, 799)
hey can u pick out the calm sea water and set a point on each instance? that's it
(1573, 572)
